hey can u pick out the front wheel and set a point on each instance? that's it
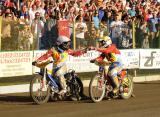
(97, 88)
(127, 85)
(39, 91)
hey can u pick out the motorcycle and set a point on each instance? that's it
(43, 86)
(100, 86)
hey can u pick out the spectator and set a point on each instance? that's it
(25, 40)
(6, 32)
(40, 8)
(108, 19)
(81, 29)
(11, 5)
(132, 11)
(52, 10)
(7, 29)
(32, 11)
(103, 29)
(153, 29)
(24, 15)
(116, 31)
(92, 5)
(96, 21)
(2, 7)
(101, 13)
(126, 38)
(88, 17)
(91, 35)
(127, 6)
(50, 31)
(37, 28)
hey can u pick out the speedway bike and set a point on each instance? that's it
(45, 86)
(100, 85)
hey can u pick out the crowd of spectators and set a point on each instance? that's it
(35, 22)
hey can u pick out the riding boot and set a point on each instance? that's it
(63, 85)
(116, 85)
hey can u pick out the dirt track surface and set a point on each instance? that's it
(145, 104)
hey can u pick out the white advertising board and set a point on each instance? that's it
(36, 55)
(130, 58)
(15, 63)
(150, 59)
(79, 64)
(20, 63)
(82, 63)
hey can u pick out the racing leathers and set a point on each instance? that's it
(59, 57)
(113, 56)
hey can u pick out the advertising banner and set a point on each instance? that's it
(130, 58)
(20, 63)
(150, 59)
(63, 28)
(79, 64)
(36, 55)
(15, 63)
(82, 63)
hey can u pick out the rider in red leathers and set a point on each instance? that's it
(59, 55)
(113, 56)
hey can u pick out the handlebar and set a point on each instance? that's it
(34, 63)
(100, 63)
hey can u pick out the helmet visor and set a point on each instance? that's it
(67, 44)
(101, 43)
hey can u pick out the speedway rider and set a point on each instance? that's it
(113, 56)
(59, 54)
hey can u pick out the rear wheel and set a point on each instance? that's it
(97, 88)
(127, 85)
(39, 91)
(77, 90)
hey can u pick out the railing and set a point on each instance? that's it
(16, 36)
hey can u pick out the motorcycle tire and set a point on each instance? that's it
(127, 85)
(39, 92)
(97, 86)
(79, 89)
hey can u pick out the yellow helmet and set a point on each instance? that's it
(106, 41)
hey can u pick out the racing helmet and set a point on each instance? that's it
(63, 42)
(105, 41)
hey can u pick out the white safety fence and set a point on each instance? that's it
(19, 63)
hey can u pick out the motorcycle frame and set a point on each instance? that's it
(107, 77)
(54, 81)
